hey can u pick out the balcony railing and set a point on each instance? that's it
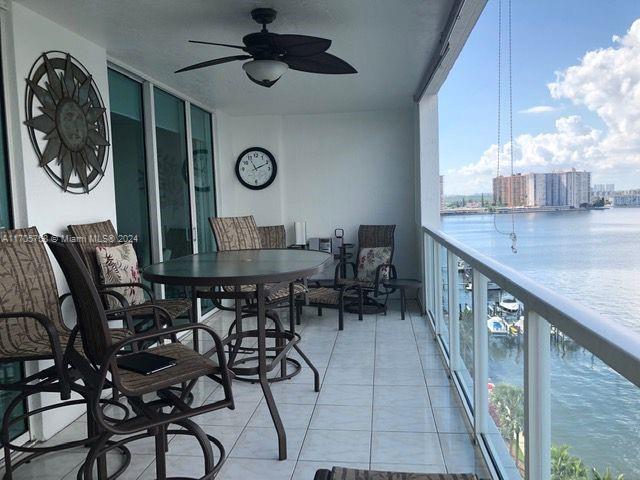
(543, 316)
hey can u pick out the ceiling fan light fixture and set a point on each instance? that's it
(265, 72)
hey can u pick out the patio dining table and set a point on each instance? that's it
(235, 269)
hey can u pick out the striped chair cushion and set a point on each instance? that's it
(235, 233)
(273, 236)
(341, 473)
(323, 296)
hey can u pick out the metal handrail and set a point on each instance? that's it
(615, 345)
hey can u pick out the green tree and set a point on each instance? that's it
(565, 466)
(508, 402)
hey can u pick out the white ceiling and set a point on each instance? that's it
(389, 42)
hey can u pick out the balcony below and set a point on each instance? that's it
(386, 403)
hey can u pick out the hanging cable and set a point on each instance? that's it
(512, 234)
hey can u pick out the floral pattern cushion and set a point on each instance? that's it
(119, 264)
(369, 260)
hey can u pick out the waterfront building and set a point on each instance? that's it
(571, 188)
(603, 190)
(510, 191)
(627, 199)
(441, 192)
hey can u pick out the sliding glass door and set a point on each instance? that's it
(163, 170)
(9, 372)
(173, 178)
(129, 162)
(203, 182)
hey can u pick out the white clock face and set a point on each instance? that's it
(256, 169)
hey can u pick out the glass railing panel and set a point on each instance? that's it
(444, 295)
(595, 416)
(505, 339)
(464, 311)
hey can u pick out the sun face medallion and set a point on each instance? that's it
(63, 102)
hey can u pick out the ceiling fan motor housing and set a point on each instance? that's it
(264, 16)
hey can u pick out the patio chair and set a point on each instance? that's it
(32, 329)
(273, 236)
(242, 233)
(321, 298)
(90, 236)
(374, 265)
(153, 396)
(341, 473)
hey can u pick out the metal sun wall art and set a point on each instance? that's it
(63, 102)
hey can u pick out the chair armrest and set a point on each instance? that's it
(393, 273)
(54, 341)
(109, 359)
(144, 287)
(157, 310)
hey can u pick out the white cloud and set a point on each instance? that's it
(605, 81)
(538, 109)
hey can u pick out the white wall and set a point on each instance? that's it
(47, 207)
(334, 170)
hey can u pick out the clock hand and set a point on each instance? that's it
(262, 165)
(254, 165)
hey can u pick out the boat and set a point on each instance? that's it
(497, 326)
(461, 266)
(509, 304)
(517, 328)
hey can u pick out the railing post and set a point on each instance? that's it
(437, 287)
(480, 353)
(428, 272)
(537, 397)
(454, 315)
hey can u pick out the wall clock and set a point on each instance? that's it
(256, 168)
(67, 122)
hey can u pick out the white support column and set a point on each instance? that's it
(480, 353)
(454, 316)
(537, 394)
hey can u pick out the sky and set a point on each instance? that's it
(576, 95)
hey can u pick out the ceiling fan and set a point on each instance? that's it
(271, 54)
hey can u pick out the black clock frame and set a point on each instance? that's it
(273, 173)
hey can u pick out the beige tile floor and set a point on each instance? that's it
(385, 403)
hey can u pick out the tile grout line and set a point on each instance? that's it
(427, 388)
(314, 405)
(373, 390)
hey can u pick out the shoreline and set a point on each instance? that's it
(488, 211)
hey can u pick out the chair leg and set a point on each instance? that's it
(341, 316)
(360, 304)
(298, 313)
(319, 311)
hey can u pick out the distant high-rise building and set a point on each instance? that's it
(571, 188)
(510, 191)
(603, 190)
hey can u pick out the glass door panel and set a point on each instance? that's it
(9, 372)
(204, 182)
(129, 162)
(173, 179)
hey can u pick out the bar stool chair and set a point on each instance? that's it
(152, 397)
(32, 329)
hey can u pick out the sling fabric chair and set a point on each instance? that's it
(152, 397)
(242, 233)
(273, 236)
(374, 264)
(92, 235)
(341, 473)
(32, 328)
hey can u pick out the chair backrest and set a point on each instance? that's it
(87, 237)
(273, 236)
(27, 284)
(372, 236)
(235, 233)
(92, 320)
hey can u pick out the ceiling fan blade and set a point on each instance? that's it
(241, 47)
(301, 45)
(320, 63)
(216, 61)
